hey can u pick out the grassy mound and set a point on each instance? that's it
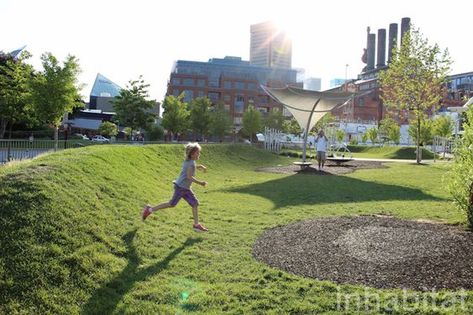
(66, 218)
(72, 239)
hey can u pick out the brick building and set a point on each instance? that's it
(231, 81)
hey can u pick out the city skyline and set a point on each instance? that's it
(124, 39)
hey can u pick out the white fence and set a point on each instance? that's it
(15, 150)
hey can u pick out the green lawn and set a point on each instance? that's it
(373, 152)
(72, 238)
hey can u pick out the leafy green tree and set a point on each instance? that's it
(389, 130)
(372, 134)
(339, 135)
(15, 92)
(275, 119)
(220, 121)
(425, 132)
(155, 132)
(108, 129)
(176, 114)
(55, 90)
(200, 116)
(415, 79)
(291, 126)
(364, 138)
(251, 122)
(132, 107)
(127, 131)
(461, 186)
(443, 126)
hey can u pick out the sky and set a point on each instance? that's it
(123, 39)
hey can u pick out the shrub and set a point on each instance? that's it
(461, 185)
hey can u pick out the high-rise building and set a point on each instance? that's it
(313, 84)
(270, 46)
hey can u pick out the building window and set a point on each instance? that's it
(188, 82)
(240, 85)
(200, 83)
(227, 107)
(176, 81)
(188, 96)
(200, 94)
(227, 98)
(214, 96)
(252, 86)
(239, 105)
(237, 120)
(361, 101)
(175, 92)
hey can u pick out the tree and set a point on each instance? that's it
(15, 105)
(339, 135)
(461, 186)
(291, 126)
(251, 122)
(372, 134)
(132, 107)
(275, 119)
(108, 129)
(443, 126)
(155, 132)
(424, 132)
(176, 114)
(55, 90)
(220, 121)
(200, 116)
(389, 130)
(127, 131)
(415, 79)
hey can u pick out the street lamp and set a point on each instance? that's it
(346, 76)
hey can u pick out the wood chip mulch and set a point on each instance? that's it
(331, 168)
(379, 252)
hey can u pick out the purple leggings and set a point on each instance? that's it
(184, 193)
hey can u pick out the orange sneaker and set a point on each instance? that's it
(199, 228)
(146, 212)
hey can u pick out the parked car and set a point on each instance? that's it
(100, 138)
(80, 136)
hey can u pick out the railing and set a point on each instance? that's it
(15, 150)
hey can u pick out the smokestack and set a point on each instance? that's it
(392, 40)
(405, 26)
(381, 57)
(371, 51)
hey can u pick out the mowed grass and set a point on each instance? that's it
(72, 239)
(374, 152)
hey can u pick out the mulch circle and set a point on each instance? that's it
(374, 251)
(331, 168)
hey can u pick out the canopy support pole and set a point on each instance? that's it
(306, 133)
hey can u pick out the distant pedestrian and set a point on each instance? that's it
(321, 148)
(182, 187)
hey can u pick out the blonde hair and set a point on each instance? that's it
(191, 147)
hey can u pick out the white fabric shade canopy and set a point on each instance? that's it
(307, 106)
(302, 103)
